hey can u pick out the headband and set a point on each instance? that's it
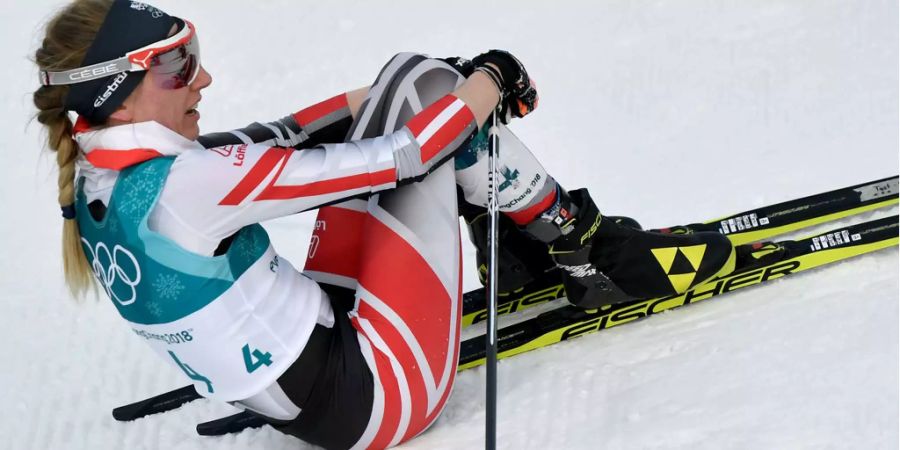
(128, 25)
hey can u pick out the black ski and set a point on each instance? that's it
(234, 423)
(156, 404)
(753, 225)
(757, 263)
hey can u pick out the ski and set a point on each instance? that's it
(159, 403)
(757, 263)
(234, 423)
(754, 225)
(760, 223)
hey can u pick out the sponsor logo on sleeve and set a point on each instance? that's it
(238, 152)
(224, 151)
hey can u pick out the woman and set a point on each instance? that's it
(360, 350)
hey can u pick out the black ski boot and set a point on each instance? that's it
(521, 258)
(606, 263)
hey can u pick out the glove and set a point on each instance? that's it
(518, 92)
(462, 65)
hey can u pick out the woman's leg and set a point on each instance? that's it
(400, 253)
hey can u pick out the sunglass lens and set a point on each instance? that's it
(178, 67)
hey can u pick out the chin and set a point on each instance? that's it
(191, 133)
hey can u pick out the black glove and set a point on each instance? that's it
(518, 94)
(462, 65)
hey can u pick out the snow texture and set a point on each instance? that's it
(671, 111)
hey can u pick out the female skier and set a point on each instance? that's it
(359, 350)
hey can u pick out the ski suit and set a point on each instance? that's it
(359, 350)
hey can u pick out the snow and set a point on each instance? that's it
(668, 110)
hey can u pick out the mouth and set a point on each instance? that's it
(193, 109)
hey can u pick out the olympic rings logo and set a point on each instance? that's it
(114, 271)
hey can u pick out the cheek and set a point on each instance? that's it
(160, 105)
(149, 106)
(168, 110)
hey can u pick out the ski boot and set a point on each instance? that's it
(521, 258)
(606, 263)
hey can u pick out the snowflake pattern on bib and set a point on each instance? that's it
(140, 192)
(154, 309)
(113, 223)
(250, 245)
(168, 286)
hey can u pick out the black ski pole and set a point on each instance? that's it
(493, 209)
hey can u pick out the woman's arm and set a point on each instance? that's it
(326, 121)
(225, 188)
(355, 99)
(330, 120)
(478, 92)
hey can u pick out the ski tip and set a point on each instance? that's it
(234, 423)
(123, 413)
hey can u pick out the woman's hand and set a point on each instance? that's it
(518, 93)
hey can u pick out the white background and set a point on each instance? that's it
(671, 111)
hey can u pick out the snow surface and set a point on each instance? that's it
(668, 110)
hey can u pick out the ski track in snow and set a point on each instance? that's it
(670, 111)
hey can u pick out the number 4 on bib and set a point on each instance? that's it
(191, 373)
(261, 359)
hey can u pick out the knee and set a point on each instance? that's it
(405, 56)
(426, 74)
(420, 57)
(408, 83)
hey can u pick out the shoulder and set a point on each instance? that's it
(237, 157)
(222, 168)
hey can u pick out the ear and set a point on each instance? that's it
(122, 114)
(125, 113)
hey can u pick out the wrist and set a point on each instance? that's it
(480, 75)
(480, 94)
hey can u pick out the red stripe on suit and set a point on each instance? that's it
(421, 120)
(315, 112)
(527, 215)
(348, 183)
(120, 159)
(256, 175)
(335, 245)
(449, 132)
(405, 281)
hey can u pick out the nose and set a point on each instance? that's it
(203, 80)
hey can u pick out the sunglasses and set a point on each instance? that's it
(174, 63)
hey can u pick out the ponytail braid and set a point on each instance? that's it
(68, 36)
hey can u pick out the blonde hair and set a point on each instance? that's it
(68, 37)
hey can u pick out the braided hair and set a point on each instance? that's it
(69, 34)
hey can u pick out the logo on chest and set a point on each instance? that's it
(237, 152)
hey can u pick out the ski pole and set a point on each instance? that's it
(493, 209)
